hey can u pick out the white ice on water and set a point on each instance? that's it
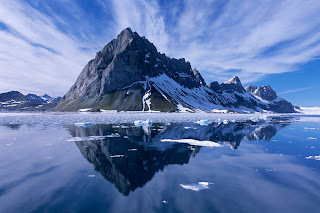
(197, 186)
(203, 122)
(313, 157)
(84, 124)
(193, 142)
(146, 123)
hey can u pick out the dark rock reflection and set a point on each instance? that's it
(129, 156)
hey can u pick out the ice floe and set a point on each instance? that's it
(197, 186)
(204, 122)
(311, 138)
(147, 123)
(91, 176)
(89, 138)
(85, 124)
(116, 156)
(313, 157)
(193, 142)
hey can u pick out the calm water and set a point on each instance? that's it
(48, 164)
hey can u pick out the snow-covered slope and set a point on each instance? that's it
(309, 110)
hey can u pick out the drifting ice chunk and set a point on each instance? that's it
(89, 138)
(265, 117)
(311, 138)
(225, 121)
(147, 123)
(116, 156)
(313, 157)
(194, 142)
(219, 121)
(204, 122)
(254, 119)
(91, 176)
(86, 124)
(197, 186)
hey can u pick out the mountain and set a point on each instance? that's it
(267, 95)
(15, 100)
(129, 74)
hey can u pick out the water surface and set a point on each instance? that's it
(48, 164)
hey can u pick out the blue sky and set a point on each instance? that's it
(45, 44)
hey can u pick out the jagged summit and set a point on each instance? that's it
(129, 74)
(251, 88)
(234, 80)
(197, 74)
(266, 93)
(233, 85)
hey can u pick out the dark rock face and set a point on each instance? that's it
(13, 95)
(251, 88)
(123, 62)
(129, 74)
(215, 86)
(198, 76)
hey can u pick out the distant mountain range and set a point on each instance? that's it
(15, 100)
(129, 74)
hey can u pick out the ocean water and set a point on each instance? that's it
(165, 162)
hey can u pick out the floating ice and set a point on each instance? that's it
(86, 124)
(197, 186)
(311, 138)
(254, 119)
(310, 128)
(113, 135)
(147, 123)
(132, 150)
(164, 201)
(225, 122)
(204, 122)
(89, 138)
(9, 144)
(265, 117)
(116, 156)
(194, 142)
(313, 157)
(91, 176)
(190, 127)
(219, 121)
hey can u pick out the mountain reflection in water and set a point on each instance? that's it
(129, 156)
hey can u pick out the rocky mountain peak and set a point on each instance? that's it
(129, 74)
(197, 74)
(234, 80)
(215, 86)
(251, 88)
(266, 93)
(232, 85)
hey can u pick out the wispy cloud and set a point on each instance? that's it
(294, 90)
(44, 51)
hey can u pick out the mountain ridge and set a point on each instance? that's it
(14, 100)
(129, 74)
